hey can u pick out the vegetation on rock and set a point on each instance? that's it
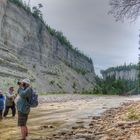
(120, 68)
(51, 82)
(64, 41)
(78, 70)
(126, 9)
(132, 114)
(120, 86)
(111, 86)
(36, 12)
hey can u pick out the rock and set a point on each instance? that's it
(99, 133)
(54, 135)
(122, 138)
(106, 138)
(80, 122)
(78, 126)
(51, 126)
(57, 137)
(120, 124)
(46, 126)
(63, 133)
(96, 117)
(91, 124)
(111, 131)
(84, 135)
(104, 107)
(27, 49)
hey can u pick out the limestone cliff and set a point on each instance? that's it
(129, 72)
(27, 49)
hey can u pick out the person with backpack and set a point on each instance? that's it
(1, 104)
(9, 103)
(25, 93)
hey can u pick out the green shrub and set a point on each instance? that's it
(35, 11)
(34, 66)
(132, 115)
(74, 85)
(52, 82)
(20, 3)
(112, 86)
(59, 86)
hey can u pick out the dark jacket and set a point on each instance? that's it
(1, 102)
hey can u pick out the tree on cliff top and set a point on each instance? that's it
(37, 12)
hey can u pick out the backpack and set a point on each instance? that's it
(33, 101)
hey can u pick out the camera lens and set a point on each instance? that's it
(18, 83)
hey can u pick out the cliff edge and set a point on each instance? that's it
(27, 49)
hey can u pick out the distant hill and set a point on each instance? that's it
(124, 72)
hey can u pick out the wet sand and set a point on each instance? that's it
(59, 113)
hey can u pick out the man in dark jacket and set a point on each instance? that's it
(24, 95)
(10, 104)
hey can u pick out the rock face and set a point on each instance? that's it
(28, 50)
(131, 74)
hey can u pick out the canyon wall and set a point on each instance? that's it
(28, 50)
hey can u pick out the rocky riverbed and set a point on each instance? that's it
(79, 117)
(113, 124)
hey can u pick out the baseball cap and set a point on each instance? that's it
(27, 81)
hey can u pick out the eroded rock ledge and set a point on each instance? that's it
(27, 49)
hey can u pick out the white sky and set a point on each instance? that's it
(88, 27)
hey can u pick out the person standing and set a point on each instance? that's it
(23, 107)
(9, 103)
(1, 104)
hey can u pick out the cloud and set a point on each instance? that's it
(89, 28)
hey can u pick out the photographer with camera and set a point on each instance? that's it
(24, 95)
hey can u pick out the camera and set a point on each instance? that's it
(18, 83)
(24, 84)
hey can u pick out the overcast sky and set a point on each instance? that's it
(88, 27)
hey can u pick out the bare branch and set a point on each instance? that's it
(125, 9)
